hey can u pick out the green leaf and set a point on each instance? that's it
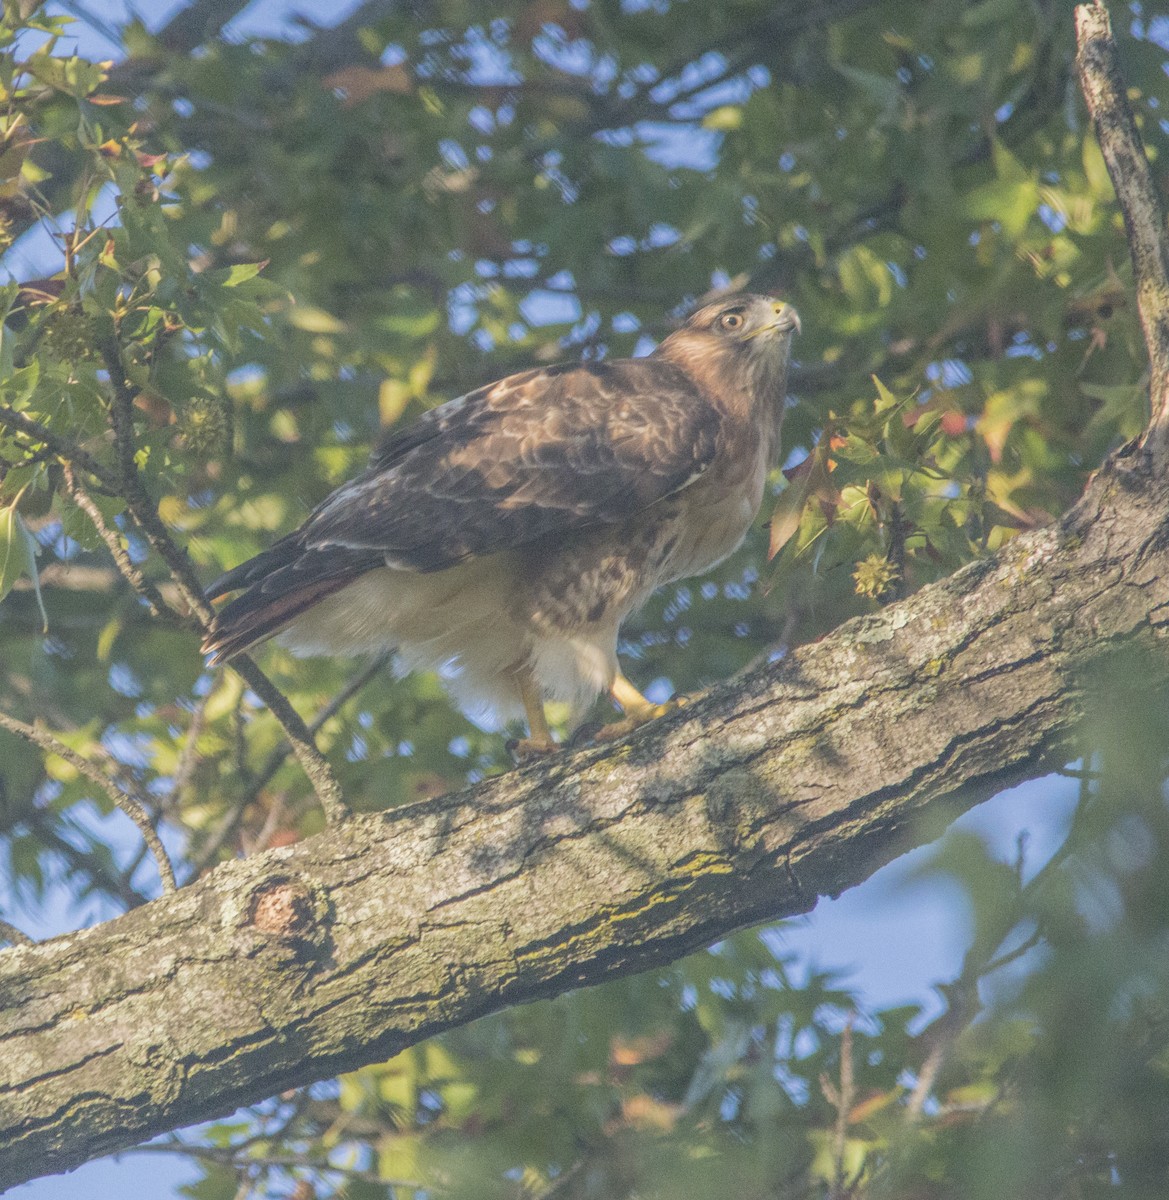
(12, 564)
(242, 272)
(17, 387)
(73, 75)
(7, 343)
(18, 556)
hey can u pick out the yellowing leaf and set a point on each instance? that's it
(724, 118)
(314, 320)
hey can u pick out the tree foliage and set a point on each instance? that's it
(232, 261)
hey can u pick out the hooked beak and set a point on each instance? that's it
(786, 317)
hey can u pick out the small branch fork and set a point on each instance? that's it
(231, 819)
(1144, 214)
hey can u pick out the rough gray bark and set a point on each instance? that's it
(795, 781)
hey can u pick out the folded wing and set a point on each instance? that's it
(539, 453)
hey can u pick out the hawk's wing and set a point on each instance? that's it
(538, 453)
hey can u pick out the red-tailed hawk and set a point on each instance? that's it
(506, 535)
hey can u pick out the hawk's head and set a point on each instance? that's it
(745, 319)
(741, 342)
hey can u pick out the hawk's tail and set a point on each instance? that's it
(281, 583)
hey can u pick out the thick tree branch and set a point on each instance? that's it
(13, 936)
(798, 780)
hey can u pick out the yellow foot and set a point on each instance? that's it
(635, 717)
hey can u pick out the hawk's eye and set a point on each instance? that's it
(731, 321)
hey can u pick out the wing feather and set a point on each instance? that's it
(543, 452)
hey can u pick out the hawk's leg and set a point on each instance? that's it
(539, 739)
(636, 707)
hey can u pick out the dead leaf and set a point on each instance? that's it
(358, 83)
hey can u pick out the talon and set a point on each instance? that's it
(638, 710)
(635, 717)
(539, 741)
(525, 750)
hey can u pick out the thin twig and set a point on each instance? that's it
(962, 993)
(1144, 215)
(145, 513)
(188, 756)
(129, 572)
(132, 806)
(229, 1156)
(232, 817)
(1081, 773)
(63, 448)
(130, 487)
(845, 1099)
(961, 1012)
(924, 1084)
(13, 936)
(565, 1181)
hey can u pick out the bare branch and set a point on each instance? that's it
(133, 806)
(188, 756)
(1144, 214)
(13, 936)
(962, 994)
(841, 1097)
(128, 571)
